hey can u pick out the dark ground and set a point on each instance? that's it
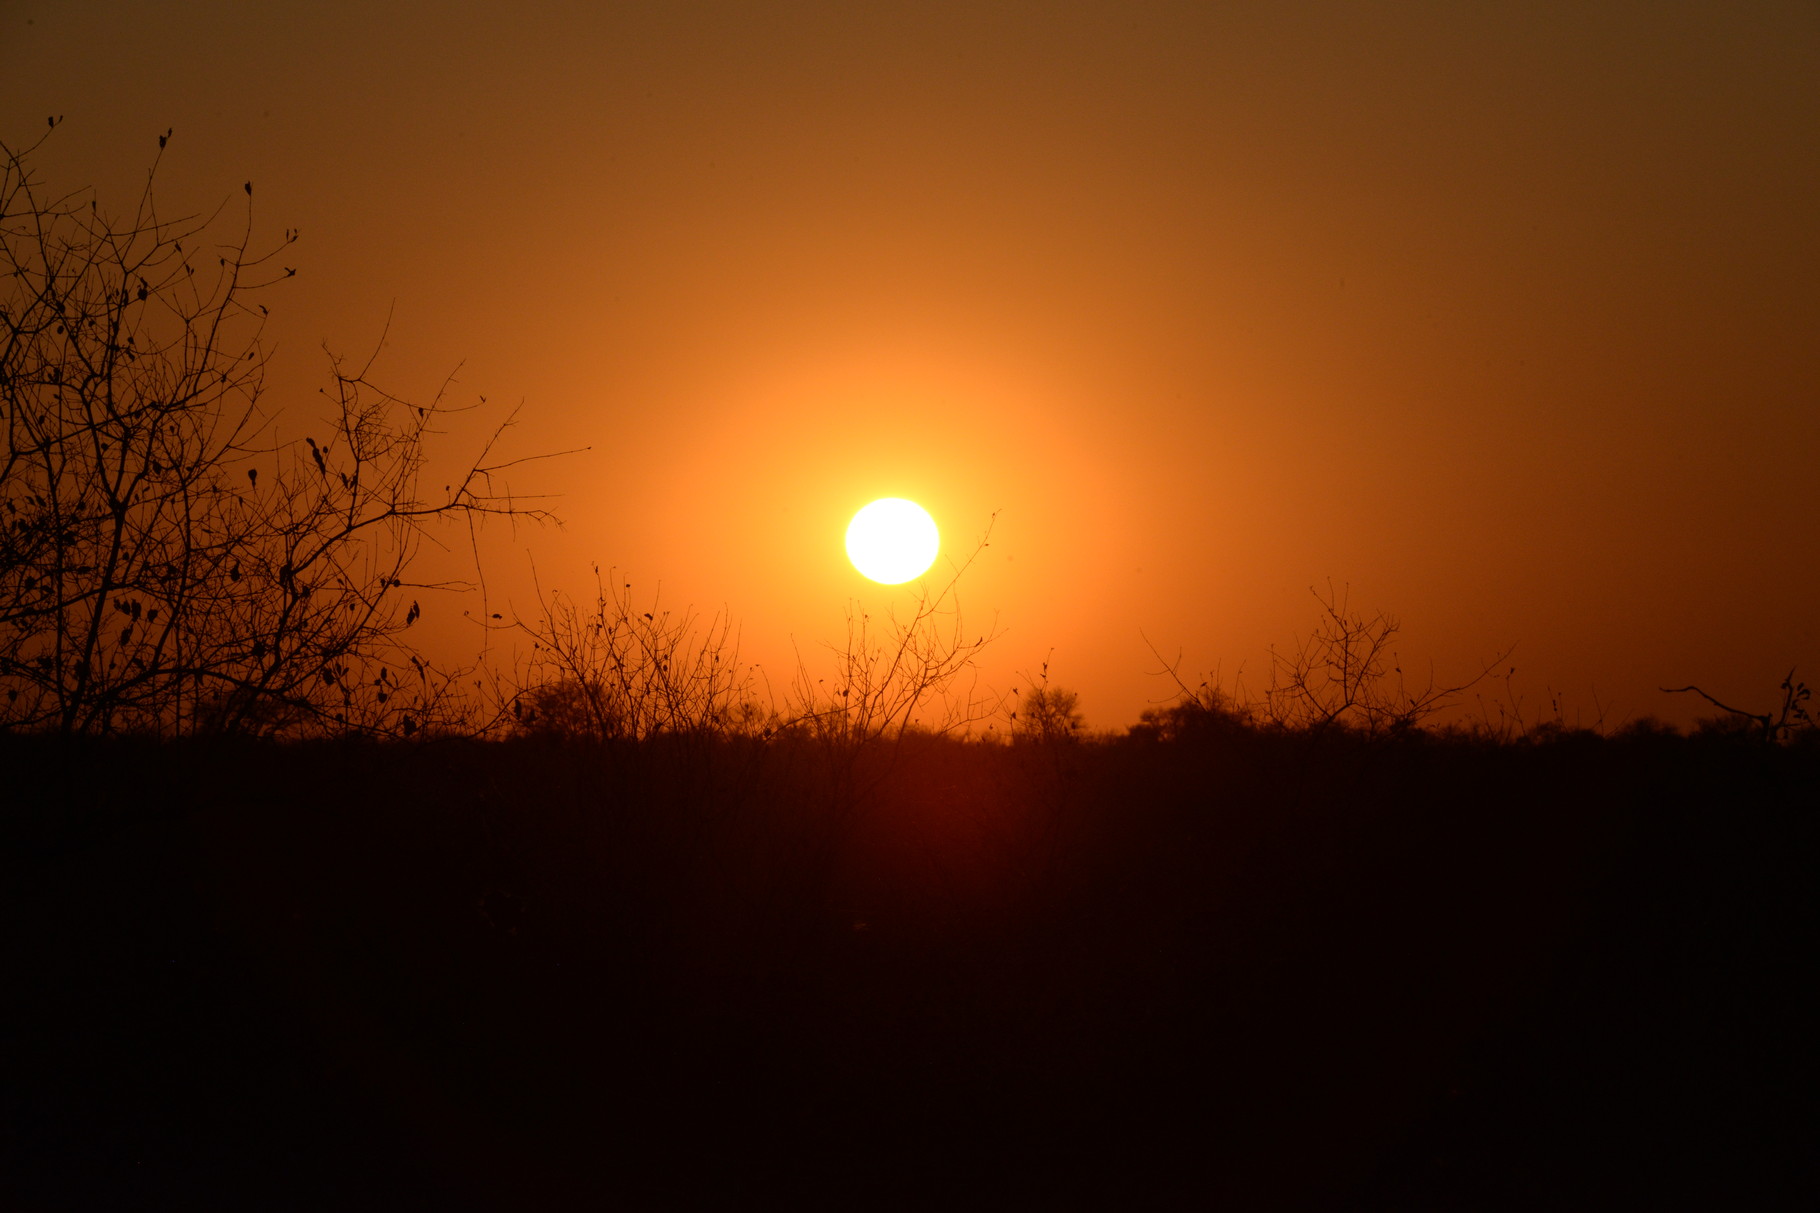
(1229, 970)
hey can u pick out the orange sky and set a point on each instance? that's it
(1508, 315)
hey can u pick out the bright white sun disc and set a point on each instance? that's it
(892, 540)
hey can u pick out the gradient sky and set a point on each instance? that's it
(1506, 315)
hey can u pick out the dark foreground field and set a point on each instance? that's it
(1232, 971)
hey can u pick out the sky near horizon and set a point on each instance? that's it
(1504, 316)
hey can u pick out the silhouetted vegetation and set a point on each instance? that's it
(1791, 721)
(611, 671)
(1045, 714)
(168, 563)
(1208, 960)
(670, 940)
(1346, 673)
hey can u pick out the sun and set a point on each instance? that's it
(892, 540)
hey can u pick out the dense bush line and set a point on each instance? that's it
(1233, 963)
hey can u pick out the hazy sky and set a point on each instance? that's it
(1507, 315)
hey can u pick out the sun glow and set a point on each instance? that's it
(892, 540)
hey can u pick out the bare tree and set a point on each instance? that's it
(1346, 673)
(905, 671)
(1782, 725)
(166, 563)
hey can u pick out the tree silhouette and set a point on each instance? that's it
(1045, 714)
(1790, 721)
(166, 563)
(908, 670)
(1346, 674)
